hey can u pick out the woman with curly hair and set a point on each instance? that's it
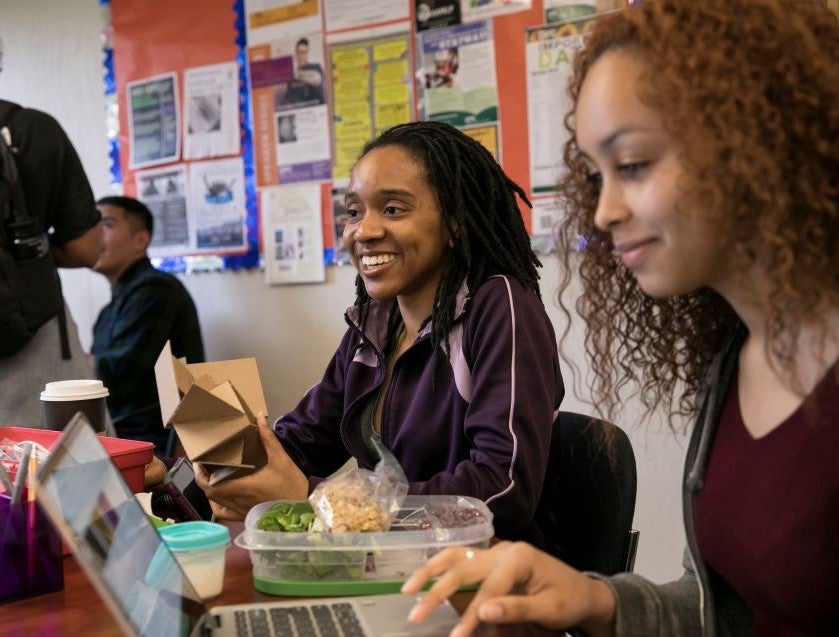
(704, 179)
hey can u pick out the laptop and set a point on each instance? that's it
(143, 586)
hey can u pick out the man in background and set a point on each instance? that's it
(147, 308)
(58, 199)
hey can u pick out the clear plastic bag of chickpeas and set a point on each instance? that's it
(360, 500)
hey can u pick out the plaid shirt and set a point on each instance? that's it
(147, 308)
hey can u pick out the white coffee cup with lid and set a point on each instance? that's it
(63, 398)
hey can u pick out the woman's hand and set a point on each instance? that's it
(279, 479)
(520, 584)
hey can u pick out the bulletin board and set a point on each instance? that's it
(155, 41)
(314, 83)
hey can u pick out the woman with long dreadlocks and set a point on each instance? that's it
(449, 359)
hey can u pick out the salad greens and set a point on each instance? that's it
(293, 517)
(299, 517)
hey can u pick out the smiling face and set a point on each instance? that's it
(670, 245)
(395, 232)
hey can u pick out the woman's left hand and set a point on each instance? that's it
(279, 479)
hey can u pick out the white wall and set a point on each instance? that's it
(53, 61)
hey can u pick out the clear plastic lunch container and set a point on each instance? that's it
(327, 564)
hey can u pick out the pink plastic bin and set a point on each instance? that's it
(130, 456)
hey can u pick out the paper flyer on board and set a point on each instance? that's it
(292, 234)
(354, 14)
(544, 217)
(211, 98)
(563, 10)
(457, 74)
(153, 121)
(218, 203)
(472, 10)
(269, 19)
(549, 53)
(164, 191)
(371, 92)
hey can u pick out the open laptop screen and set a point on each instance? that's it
(112, 539)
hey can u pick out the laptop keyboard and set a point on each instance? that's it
(318, 620)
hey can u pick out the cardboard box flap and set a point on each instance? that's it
(201, 439)
(200, 404)
(227, 392)
(245, 451)
(169, 374)
(183, 377)
(206, 381)
(250, 415)
(254, 450)
(229, 452)
(244, 376)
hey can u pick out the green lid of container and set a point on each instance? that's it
(194, 536)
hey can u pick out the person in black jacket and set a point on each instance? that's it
(58, 195)
(148, 307)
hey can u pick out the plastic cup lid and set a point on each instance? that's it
(65, 390)
(194, 535)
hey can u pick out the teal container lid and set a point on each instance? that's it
(194, 536)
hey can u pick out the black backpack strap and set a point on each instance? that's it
(8, 110)
(66, 355)
(19, 213)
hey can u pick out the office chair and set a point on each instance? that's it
(588, 502)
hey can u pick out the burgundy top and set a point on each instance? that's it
(767, 518)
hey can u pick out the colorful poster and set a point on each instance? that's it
(211, 96)
(291, 119)
(153, 121)
(457, 70)
(371, 92)
(292, 234)
(549, 54)
(164, 191)
(218, 203)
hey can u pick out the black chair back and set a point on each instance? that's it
(588, 502)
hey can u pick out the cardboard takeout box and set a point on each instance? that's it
(213, 408)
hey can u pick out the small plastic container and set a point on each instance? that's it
(335, 564)
(199, 548)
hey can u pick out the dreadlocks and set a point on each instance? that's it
(478, 204)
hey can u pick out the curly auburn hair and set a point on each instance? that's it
(478, 203)
(749, 89)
